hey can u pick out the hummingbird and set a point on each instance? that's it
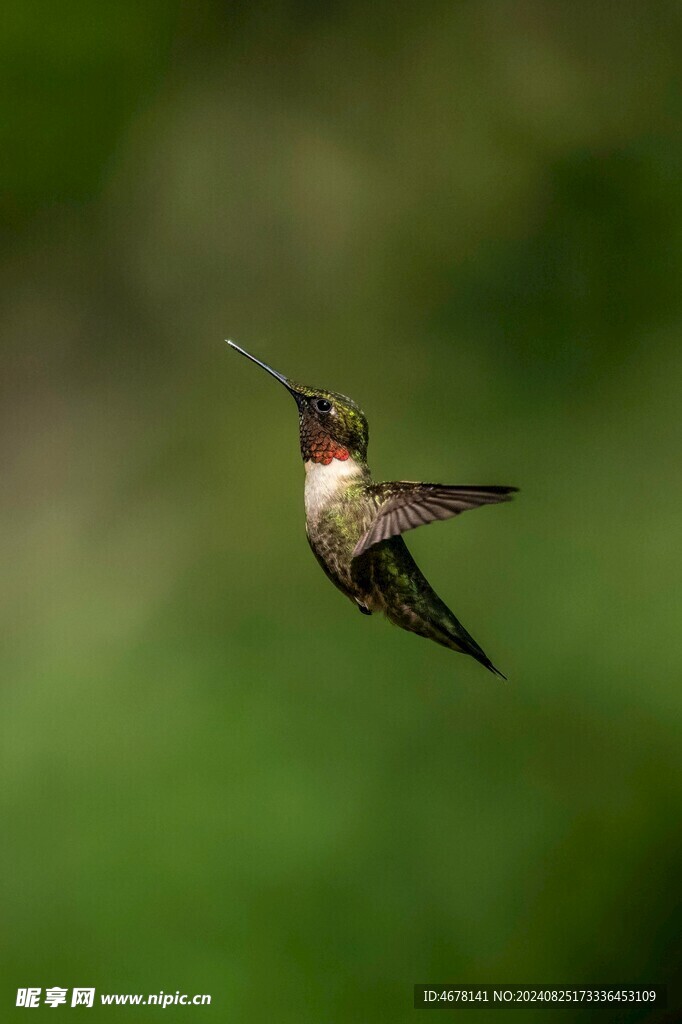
(355, 526)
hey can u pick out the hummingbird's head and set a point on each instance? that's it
(331, 425)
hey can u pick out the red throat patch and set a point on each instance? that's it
(317, 445)
(327, 454)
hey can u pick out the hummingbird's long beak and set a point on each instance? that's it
(278, 376)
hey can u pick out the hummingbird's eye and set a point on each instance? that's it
(322, 405)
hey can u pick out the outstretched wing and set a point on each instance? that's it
(403, 505)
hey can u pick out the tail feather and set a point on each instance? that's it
(441, 625)
(409, 601)
(456, 637)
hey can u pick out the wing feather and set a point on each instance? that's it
(403, 505)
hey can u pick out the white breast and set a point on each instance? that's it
(324, 483)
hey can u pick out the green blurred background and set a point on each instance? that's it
(217, 777)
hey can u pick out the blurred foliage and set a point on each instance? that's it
(216, 776)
